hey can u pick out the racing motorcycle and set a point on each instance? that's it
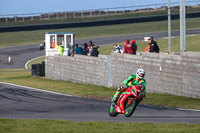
(127, 101)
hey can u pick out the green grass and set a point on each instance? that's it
(18, 76)
(36, 61)
(36, 37)
(59, 126)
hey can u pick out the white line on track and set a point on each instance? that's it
(192, 35)
(36, 89)
(26, 65)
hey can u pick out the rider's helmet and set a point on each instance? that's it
(140, 73)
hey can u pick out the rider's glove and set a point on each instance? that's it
(119, 88)
(142, 86)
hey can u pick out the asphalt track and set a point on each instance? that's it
(21, 54)
(20, 102)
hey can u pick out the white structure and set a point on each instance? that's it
(52, 39)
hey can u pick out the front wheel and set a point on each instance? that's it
(112, 110)
(130, 108)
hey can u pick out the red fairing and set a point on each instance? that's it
(128, 92)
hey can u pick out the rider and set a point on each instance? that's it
(135, 79)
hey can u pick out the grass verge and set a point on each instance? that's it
(59, 126)
(91, 91)
(36, 37)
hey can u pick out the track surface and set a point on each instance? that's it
(21, 54)
(20, 102)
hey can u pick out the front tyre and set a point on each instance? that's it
(130, 108)
(112, 110)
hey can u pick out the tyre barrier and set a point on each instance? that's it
(38, 69)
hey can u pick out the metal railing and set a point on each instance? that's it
(93, 12)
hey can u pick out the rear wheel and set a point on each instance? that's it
(112, 110)
(130, 108)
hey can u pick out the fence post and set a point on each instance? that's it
(109, 68)
(90, 13)
(32, 17)
(65, 15)
(74, 14)
(23, 17)
(7, 19)
(15, 19)
(57, 15)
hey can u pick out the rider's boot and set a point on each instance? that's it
(115, 97)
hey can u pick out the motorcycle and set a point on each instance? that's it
(127, 102)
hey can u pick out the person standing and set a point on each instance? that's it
(153, 46)
(135, 46)
(60, 49)
(128, 48)
(78, 50)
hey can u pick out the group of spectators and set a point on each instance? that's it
(87, 49)
(131, 47)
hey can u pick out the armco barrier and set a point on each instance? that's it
(95, 23)
(169, 74)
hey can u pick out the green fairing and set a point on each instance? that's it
(131, 81)
(126, 92)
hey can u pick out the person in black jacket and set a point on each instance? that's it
(153, 46)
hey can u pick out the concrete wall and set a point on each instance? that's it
(170, 74)
(81, 69)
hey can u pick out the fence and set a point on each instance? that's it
(94, 12)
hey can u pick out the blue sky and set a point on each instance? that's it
(43, 6)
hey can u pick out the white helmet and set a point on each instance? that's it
(140, 73)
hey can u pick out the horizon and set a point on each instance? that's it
(45, 6)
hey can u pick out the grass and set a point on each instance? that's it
(18, 76)
(59, 126)
(36, 61)
(36, 37)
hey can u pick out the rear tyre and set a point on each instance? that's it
(130, 108)
(112, 110)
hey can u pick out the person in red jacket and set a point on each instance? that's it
(128, 48)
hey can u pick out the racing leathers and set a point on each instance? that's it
(131, 81)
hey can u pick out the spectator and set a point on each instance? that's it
(147, 49)
(78, 50)
(118, 48)
(89, 51)
(128, 48)
(91, 43)
(95, 51)
(85, 49)
(153, 46)
(135, 46)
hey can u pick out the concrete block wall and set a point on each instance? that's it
(169, 74)
(81, 69)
